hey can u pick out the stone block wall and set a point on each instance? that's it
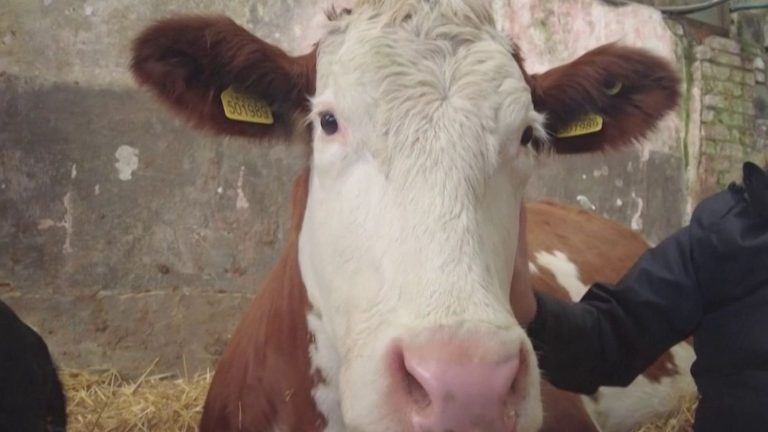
(730, 112)
(126, 236)
(620, 185)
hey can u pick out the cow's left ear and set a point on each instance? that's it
(608, 98)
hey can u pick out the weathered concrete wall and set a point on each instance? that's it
(125, 237)
(621, 185)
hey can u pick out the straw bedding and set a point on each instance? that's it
(102, 401)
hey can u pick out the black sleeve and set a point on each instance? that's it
(613, 334)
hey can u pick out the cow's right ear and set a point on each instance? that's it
(189, 62)
(609, 97)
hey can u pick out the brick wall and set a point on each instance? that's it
(728, 76)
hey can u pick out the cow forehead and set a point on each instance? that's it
(380, 32)
(475, 13)
(437, 67)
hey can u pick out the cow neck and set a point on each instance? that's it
(275, 333)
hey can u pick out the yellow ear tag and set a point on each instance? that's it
(589, 124)
(240, 107)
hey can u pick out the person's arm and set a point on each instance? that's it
(613, 334)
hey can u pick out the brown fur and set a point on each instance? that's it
(590, 242)
(189, 61)
(564, 411)
(650, 89)
(263, 380)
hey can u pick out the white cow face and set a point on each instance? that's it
(422, 122)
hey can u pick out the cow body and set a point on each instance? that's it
(31, 396)
(389, 309)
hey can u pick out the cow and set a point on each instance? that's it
(388, 309)
(31, 395)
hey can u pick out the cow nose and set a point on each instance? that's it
(464, 394)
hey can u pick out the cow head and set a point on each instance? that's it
(425, 129)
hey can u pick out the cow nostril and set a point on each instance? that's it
(410, 386)
(415, 391)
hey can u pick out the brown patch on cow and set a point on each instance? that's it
(189, 61)
(663, 367)
(263, 379)
(564, 411)
(544, 280)
(589, 241)
(649, 90)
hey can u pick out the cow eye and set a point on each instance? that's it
(328, 123)
(527, 136)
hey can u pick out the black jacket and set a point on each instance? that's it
(709, 280)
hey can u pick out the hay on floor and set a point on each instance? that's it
(680, 421)
(102, 401)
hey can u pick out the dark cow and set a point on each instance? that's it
(31, 396)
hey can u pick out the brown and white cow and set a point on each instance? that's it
(389, 310)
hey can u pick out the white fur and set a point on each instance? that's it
(565, 271)
(412, 217)
(624, 409)
(325, 360)
(532, 268)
